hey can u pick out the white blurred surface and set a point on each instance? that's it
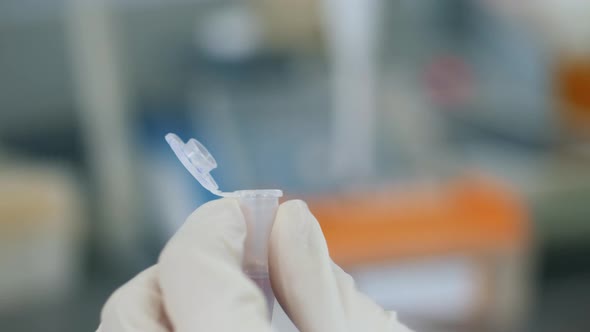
(445, 289)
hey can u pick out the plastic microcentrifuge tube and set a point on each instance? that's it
(258, 206)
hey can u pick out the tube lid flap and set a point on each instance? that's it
(197, 160)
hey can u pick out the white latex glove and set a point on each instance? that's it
(198, 284)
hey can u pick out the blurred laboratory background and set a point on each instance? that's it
(444, 147)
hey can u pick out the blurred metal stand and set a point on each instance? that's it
(352, 34)
(103, 102)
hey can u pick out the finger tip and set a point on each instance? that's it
(291, 208)
(216, 226)
(294, 224)
(218, 213)
(215, 207)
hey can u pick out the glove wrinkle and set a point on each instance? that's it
(135, 306)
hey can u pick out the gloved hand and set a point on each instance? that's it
(198, 284)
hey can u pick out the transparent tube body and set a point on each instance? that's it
(259, 208)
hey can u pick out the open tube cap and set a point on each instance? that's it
(197, 160)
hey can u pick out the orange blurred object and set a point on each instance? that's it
(473, 216)
(572, 86)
